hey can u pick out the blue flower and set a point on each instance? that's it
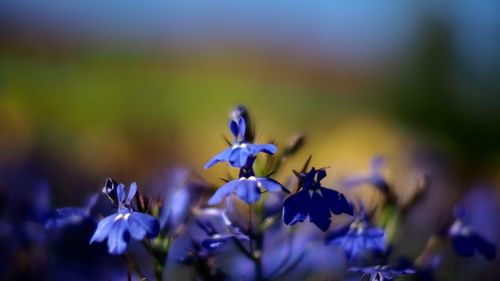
(357, 237)
(247, 189)
(467, 242)
(374, 177)
(382, 272)
(218, 229)
(118, 228)
(176, 206)
(70, 215)
(315, 201)
(238, 154)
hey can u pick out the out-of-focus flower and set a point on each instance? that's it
(374, 177)
(175, 207)
(382, 272)
(358, 237)
(314, 201)
(216, 240)
(210, 231)
(238, 154)
(118, 228)
(70, 215)
(217, 236)
(176, 204)
(466, 241)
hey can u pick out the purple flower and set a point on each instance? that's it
(248, 189)
(126, 223)
(217, 229)
(315, 201)
(239, 153)
(475, 219)
(374, 177)
(467, 242)
(382, 272)
(358, 237)
(70, 215)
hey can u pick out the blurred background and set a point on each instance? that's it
(122, 89)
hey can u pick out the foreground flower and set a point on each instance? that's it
(118, 228)
(247, 189)
(382, 272)
(358, 237)
(315, 201)
(238, 154)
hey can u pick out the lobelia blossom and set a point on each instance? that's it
(176, 205)
(239, 153)
(126, 223)
(70, 215)
(247, 187)
(466, 241)
(315, 201)
(358, 237)
(216, 239)
(217, 229)
(382, 272)
(374, 177)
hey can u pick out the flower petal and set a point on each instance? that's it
(233, 126)
(221, 157)
(271, 185)
(319, 213)
(131, 192)
(376, 164)
(120, 190)
(175, 208)
(463, 245)
(266, 148)
(103, 229)
(321, 175)
(141, 225)
(222, 192)
(242, 127)
(356, 181)
(484, 247)
(295, 207)
(118, 238)
(336, 201)
(239, 156)
(248, 191)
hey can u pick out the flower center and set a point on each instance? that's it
(122, 216)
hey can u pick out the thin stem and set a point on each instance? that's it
(159, 259)
(255, 249)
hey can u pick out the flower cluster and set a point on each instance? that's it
(242, 155)
(269, 233)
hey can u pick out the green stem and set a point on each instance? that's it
(255, 250)
(160, 258)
